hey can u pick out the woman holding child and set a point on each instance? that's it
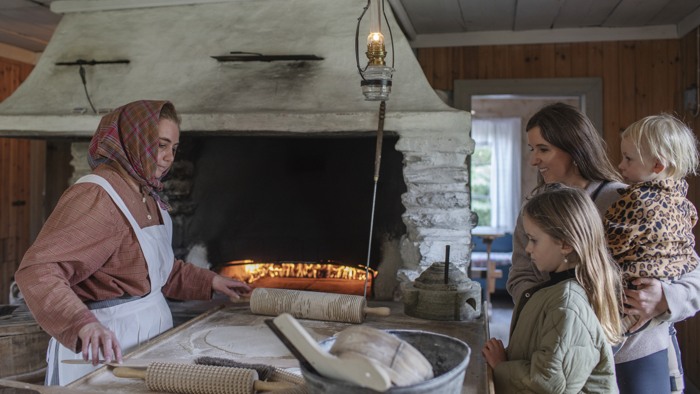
(567, 149)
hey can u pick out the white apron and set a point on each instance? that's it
(133, 322)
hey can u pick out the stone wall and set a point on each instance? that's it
(437, 201)
(79, 151)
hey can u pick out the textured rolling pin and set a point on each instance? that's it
(200, 379)
(313, 305)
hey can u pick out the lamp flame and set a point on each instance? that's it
(375, 38)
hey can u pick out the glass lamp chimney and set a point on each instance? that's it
(376, 83)
(376, 51)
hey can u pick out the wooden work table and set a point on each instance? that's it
(184, 343)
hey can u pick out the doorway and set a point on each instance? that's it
(493, 103)
(521, 98)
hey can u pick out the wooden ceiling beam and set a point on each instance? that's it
(19, 54)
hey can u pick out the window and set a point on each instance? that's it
(495, 171)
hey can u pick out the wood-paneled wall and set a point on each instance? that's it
(15, 185)
(689, 330)
(640, 78)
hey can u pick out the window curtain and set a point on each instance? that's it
(503, 136)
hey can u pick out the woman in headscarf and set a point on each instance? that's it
(98, 273)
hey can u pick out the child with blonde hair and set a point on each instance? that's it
(650, 228)
(562, 330)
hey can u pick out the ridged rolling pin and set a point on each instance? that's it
(199, 379)
(313, 305)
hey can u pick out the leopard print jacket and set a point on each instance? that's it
(650, 230)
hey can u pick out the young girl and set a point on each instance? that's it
(562, 329)
(650, 228)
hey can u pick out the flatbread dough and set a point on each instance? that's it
(255, 341)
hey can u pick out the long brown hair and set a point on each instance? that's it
(570, 130)
(569, 215)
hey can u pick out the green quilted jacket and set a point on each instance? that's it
(556, 343)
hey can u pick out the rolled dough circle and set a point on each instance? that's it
(255, 341)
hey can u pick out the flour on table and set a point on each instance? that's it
(255, 341)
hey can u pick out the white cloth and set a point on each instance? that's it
(503, 136)
(133, 322)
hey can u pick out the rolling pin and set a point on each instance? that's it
(199, 379)
(313, 305)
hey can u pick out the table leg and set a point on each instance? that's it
(490, 275)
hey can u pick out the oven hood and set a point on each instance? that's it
(163, 50)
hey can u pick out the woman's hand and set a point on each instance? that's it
(494, 352)
(232, 288)
(646, 302)
(95, 338)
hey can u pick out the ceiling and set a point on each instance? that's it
(26, 26)
(439, 23)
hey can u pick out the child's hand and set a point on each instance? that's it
(494, 352)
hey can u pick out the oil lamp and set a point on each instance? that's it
(376, 86)
(376, 75)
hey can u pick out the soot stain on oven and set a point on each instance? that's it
(280, 198)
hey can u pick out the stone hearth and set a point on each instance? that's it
(169, 47)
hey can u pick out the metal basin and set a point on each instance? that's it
(449, 357)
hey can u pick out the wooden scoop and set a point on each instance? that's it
(358, 370)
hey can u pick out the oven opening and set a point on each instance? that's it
(291, 212)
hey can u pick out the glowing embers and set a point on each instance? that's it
(326, 276)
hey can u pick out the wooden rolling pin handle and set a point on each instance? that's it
(261, 385)
(378, 311)
(126, 372)
(258, 385)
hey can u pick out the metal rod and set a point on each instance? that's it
(380, 139)
(81, 62)
(447, 264)
(369, 247)
(265, 58)
(377, 163)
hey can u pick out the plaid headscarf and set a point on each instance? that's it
(128, 136)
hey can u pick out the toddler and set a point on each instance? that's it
(650, 228)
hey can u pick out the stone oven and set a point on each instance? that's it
(277, 157)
